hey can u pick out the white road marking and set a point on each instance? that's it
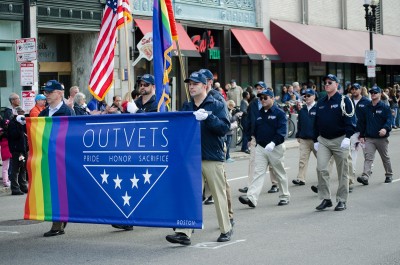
(9, 232)
(395, 180)
(243, 177)
(216, 245)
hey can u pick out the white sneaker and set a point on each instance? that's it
(7, 184)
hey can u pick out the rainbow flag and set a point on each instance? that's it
(47, 196)
(164, 30)
(116, 170)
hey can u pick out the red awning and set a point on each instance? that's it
(185, 43)
(255, 44)
(309, 43)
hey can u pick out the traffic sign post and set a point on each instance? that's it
(26, 49)
(27, 74)
(370, 58)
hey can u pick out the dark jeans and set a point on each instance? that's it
(228, 145)
(18, 173)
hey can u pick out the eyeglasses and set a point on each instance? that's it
(328, 83)
(14, 98)
(373, 93)
(307, 96)
(144, 84)
(264, 97)
(48, 92)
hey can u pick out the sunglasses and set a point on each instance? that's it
(144, 84)
(48, 92)
(373, 93)
(328, 83)
(307, 96)
(264, 97)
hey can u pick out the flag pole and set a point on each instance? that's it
(127, 60)
(183, 72)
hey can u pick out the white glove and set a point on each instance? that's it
(21, 119)
(201, 114)
(269, 147)
(234, 125)
(345, 143)
(131, 107)
(316, 145)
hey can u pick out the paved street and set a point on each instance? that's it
(366, 233)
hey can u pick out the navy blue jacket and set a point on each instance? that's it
(64, 110)
(271, 126)
(330, 122)
(305, 122)
(150, 106)
(253, 112)
(360, 108)
(213, 129)
(374, 119)
(17, 139)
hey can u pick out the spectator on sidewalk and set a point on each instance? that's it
(40, 100)
(80, 106)
(235, 93)
(10, 111)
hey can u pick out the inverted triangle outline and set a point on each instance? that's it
(127, 166)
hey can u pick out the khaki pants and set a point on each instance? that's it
(371, 145)
(252, 164)
(328, 148)
(306, 146)
(263, 160)
(213, 173)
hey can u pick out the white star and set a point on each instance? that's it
(147, 176)
(134, 181)
(117, 182)
(126, 198)
(104, 177)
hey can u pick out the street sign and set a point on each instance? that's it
(370, 58)
(26, 49)
(28, 100)
(27, 74)
(371, 71)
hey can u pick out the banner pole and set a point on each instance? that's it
(183, 72)
(127, 60)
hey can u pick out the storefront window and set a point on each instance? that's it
(302, 73)
(290, 73)
(244, 73)
(9, 68)
(278, 78)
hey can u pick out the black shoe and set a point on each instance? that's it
(388, 179)
(324, 204)
(351, 189)
(232, 222)
(314, 188)
(273, 189)
(243, 199)
(18, 192)
(24, 190)
(340, 206)
(298, 182)
(363, 180)
(54, 233)
(209, 201)
(283, 202)
(179, 238)
(225, 237)
(124, 227)
(243, 190)
(246, 151)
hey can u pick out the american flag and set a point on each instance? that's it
(102, 74)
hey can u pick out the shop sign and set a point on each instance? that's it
(27, 74)
(214, 54)
(145, 47)
(200, 42)
(317, 68)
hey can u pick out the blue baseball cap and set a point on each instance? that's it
(52, 85)
(149, 79)
(266, 92)
(356, 86)
(261, 84)
(197, 77)
(375, 89)
(39, 97)
(207, 73)
(331, 77)
(309, 91)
